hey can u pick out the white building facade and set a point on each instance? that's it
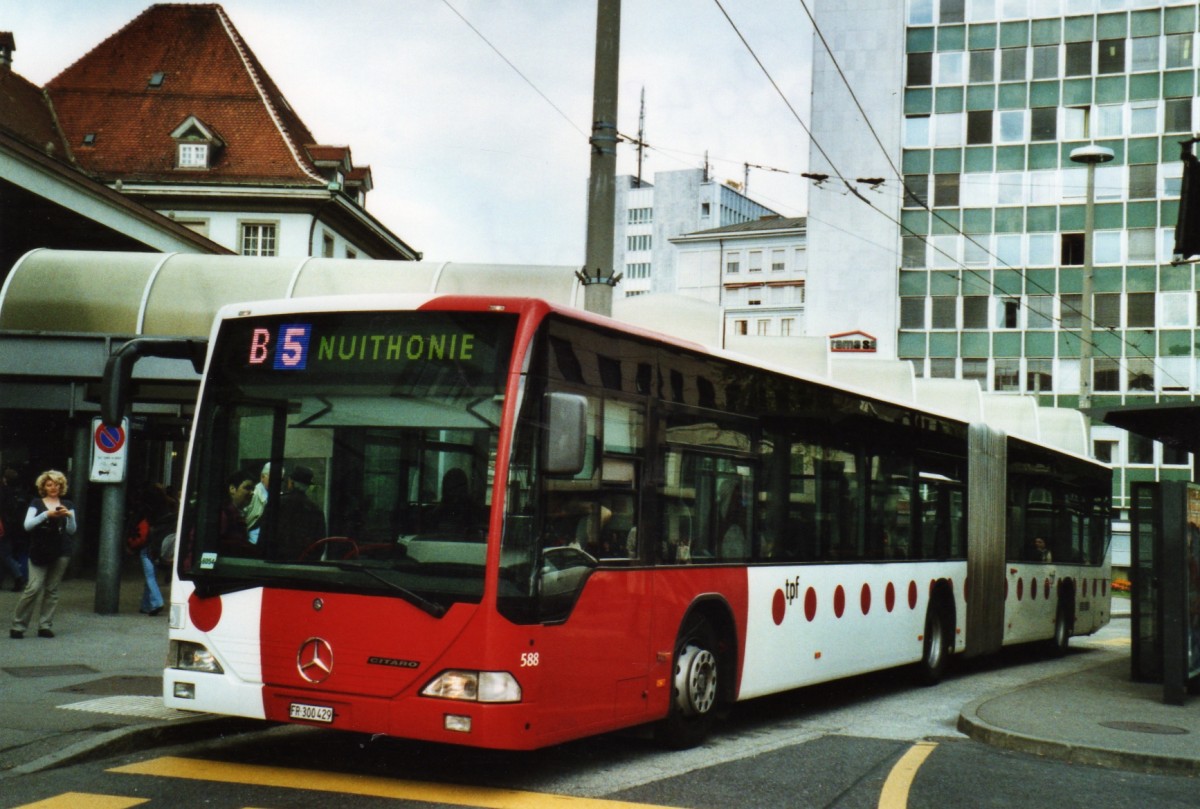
(649, 215)
(755, 271)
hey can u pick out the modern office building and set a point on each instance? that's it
(975, 238)
(648, 215)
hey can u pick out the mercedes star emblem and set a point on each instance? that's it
(314, 661)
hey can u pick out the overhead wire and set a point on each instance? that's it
(923, 204)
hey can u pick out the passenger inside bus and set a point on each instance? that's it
(231, 527)
(457, 514)
(575, 520)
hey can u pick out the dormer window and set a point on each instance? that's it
(195, 144)
(156, 78)
(193, 155)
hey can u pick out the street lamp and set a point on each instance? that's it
(1089, 155)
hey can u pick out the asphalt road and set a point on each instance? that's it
(875, 741)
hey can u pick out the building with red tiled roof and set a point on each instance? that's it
(176, 111)
(46, 200)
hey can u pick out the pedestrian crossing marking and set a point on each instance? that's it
(366, 785)
(85, 800)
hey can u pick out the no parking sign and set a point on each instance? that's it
(110, 447)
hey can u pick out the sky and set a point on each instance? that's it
(475, 160)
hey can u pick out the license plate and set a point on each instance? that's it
(310, 713)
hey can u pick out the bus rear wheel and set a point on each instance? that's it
(939, 640)
(695, 687)
(1063, 627)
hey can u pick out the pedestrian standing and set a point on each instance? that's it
(12, 535)
(50, 523)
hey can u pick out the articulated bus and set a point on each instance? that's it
(538, 524)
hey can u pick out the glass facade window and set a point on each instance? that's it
(912, 313)
(979, 127)
(1180, 51)
(945, 190)
(1174, 308)
(1139, 309)
(1140, 449)
(920, 70)
(944, 313)
(1143, 118)
(1106, 248)
(975, 312)
(1008, 375)
(950, 68)
(913, 254)
(1110, 120)
(1111, 56)
(1008, 250)
(1041, 250)
(1072, 249)
(951, 11)
(1043, 124)
(1140, 372)
(1076, 123)
(1141, 244)
(949, 129)
(1010, 188)
(1106, 375)
(976, 252)
(1177, 115)
(1045, 62)
(942, 368)
(1175, 456)
(1012, 126)
(916, 131)
(917, 188)
(1078, 59)
(1143, 54)
(1039, 376)
(1105, 451)
(1040, 314)
(975, 369)
(1070, 308)
(983, 67)
(1008, 313)
(1013, 65)
(1107, 308)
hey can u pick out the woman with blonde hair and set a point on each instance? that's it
(49, 522)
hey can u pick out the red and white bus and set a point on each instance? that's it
(541, 524)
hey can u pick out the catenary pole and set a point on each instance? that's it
(597, 275)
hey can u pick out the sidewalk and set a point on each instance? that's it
(1097, 715)
(95, 690)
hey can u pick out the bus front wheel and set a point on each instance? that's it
(694, 687)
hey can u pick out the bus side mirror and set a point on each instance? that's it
(564, 440)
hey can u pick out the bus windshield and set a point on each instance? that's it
(348, 451)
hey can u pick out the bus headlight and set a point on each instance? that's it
(188, 656)
(474, 686)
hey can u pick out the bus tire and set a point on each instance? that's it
(695, 687)
(1064, 625)
(939, 643)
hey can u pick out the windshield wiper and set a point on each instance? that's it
(432, 607)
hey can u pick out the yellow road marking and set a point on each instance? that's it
(85, 800)
(373, 786)
(899, 780)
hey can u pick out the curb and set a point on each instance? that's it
(970, 724)
(141, 737)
